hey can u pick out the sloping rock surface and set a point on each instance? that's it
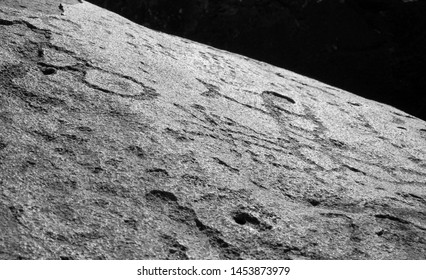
(373, 48)
(118, 142)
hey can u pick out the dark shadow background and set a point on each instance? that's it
(373, 48)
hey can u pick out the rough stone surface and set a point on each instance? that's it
(373, 48)
(118, 142)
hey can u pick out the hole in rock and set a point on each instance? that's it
(314, 202)
(163, 195)
(48, 71)
(40, 53)
(243, 218)
(380, 232)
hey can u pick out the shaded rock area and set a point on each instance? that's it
(373, 48)
(119, 142)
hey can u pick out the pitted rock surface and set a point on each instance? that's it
(373, 48)
(119, 142)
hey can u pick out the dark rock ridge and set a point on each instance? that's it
(374, 48)
(119, 142)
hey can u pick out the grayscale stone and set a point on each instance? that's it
(119, 142)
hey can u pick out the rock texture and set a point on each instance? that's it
(118, 142)
(374, 48)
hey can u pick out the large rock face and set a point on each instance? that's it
(374, 48)
(118, 142)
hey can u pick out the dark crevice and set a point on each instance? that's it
(200, 225)
(275, 94)
(29, 25)
(164, 195)
(221, 162)
(61, 9)
(392, 218)
(6, 22)
(354, 169)
(212, 90)
(354, 104)
(75, 68)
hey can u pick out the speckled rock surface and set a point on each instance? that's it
(118, 142)
(373, 48)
